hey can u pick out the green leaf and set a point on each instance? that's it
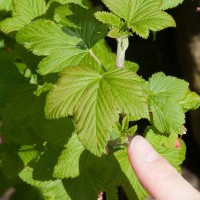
(140, 16)
(58, 61)
(68, 161)
(167, 115)
(94, 100)
(55, 132)
(27, 153)
(13, 158)
(35, 38)
(6, 5)
(63, 46)
(81, 23)
(23, 107)
(166, 147)
(18, 135)
(94, 115)
(90, 61)
(84, 3)
(93, 177)
(43, 88)
(61, 49)
(131, 66)
(23, 56)
(127, 89)
(39, 173)
(166, 4)
(174, 156)
(122, 8)
(152, 20)
(51, 189)
(25, 191)
(43, 166)
(157, 138)
(81, 188)
(122, 157)
(167, 86)
(165, 92)
(122, 131)
(10, 161)
(191, 101)
(117, 27)
(112, 194)
(9, 77)
(68, 91)
(109, 18)
(102, 51)
(24, 11)
(105, 54)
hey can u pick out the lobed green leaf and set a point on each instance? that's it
(95, 99)
(74, 84)
(141, 16)
(165, 92)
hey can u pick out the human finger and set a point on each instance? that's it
(161, 180)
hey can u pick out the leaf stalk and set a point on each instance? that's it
(97, 59)
(122, 45)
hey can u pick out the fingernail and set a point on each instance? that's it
(142, 149)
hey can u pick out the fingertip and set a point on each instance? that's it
(139, 148)
(155, 173)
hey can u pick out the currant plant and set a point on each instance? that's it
(68, 103)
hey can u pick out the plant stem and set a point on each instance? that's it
(122, 45)
(97, 60)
